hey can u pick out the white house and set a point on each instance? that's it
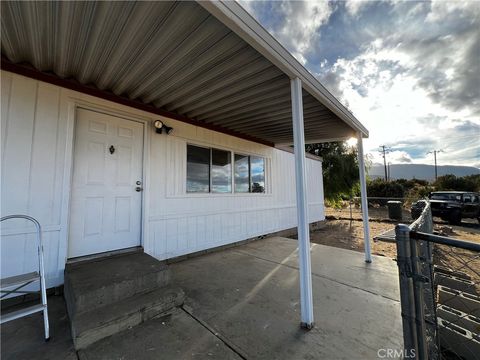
(83, 86)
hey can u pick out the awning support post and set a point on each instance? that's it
(306, 297)
(363, 191)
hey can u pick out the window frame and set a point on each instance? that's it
(232, 152)
(249, 156)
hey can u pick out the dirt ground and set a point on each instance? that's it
(347, 234)
(339, 231)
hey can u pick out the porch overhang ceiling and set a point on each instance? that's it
(209, 63)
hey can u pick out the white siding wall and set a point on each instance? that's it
(182, 223)
(33, 158)
(37, 132)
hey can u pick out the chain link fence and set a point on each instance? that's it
(456, 279)
(439, 290)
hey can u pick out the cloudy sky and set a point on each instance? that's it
(409, 70)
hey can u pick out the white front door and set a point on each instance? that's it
(106, 199)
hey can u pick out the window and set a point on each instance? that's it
(249, 174)
(198, 169)
(210, 171)
(221, 171)
(257, 177)
(446, 196)
(242, 174)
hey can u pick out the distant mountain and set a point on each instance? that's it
(420, 171)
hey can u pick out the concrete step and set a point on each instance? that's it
(92, 326)
(94, 284)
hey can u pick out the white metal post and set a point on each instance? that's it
(306, 297)
(363, 191)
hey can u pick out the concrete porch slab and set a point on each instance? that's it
(23, 339)
(250, 296)
(243, 302)
(341, 265)
(177, 336)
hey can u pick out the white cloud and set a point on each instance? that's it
(411, 86)
(355, 6)
(393, 157)
(300, 23)
(382, 91)
(443, 8)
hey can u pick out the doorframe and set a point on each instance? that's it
(69, 103)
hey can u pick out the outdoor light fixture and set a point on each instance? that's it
(160, 127)
(168, 129)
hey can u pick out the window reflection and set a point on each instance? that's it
(198, 169)
(221, 171)
(242, 176)
(257, 169)
(210, 171)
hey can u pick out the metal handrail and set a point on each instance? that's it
(41, 266)
(443, 240)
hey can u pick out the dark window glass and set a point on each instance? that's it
(445, 196)
(242, 174)
(257, 170)
(198, 169)
(221, 171)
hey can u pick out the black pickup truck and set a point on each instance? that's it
(453, 206)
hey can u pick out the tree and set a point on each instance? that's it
(451, 182)
(340, 168)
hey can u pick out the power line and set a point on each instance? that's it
(435, 152)
(384, 151)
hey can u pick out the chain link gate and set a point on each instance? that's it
(454, 333)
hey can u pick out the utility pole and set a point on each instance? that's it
(384, 151)
(434, 152)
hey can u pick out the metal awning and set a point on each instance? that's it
(207, 63)
(211, 63)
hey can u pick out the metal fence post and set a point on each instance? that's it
(418, 292)
(425, 266)
(351, 215)
(407, 302)
(426, 254)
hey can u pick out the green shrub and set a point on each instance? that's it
(453, 183)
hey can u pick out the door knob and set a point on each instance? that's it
(138, 189)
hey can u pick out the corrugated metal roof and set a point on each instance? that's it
(174, 55)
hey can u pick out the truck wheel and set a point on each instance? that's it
(455, 218)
